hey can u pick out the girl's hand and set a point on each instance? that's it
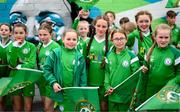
(109, 92)
(80, 13)
(144, 69)
(57, 87)
(19, 41)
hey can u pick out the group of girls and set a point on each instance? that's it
(102, 60)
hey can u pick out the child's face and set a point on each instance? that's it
(171, 20)
(70, 40)
(19, 34)
(5, 31)
(163, 38)
(83, 30)
(101, 27)
(85, 14)
(110, 17)
(119, 40)
(143, 22)
(44, 36)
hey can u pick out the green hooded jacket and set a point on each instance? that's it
(53, 71)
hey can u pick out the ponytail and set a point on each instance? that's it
(150, 52)
(106, 49)
(88, 47)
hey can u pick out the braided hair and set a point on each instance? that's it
(92, 37)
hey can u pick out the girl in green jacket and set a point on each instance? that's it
(141, 39)
(163, 61)
(65, 67)
(121, 63)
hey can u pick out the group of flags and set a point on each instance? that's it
(86, 98)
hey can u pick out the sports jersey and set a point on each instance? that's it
(3, 50)
(141, 45)
(81, 45)
(175, 38)
(4, 72)
(68, 61)
(24, 55)
(119, 67)
(96, 55)
(45, 50)
(164, 65)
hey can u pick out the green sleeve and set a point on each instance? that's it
(134, 62)
(107, 79)
(83, 77)
(48, 69)
(31, 62)
(12, 56)
(75, 24)
(131, 39)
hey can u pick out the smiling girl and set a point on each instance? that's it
(121, 63)
(65, 67)
(163, 60)
(141, 38)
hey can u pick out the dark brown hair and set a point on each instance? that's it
(8, 25)
(46, 27)
(150, 17)
(92, 37)
(20, 25)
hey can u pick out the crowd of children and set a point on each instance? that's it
(93, 53)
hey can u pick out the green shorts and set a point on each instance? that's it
(44, 87)
(27, 91)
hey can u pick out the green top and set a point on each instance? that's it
(118, 68)
(4, 69)
(53, 70)
(23, 56)
(68, 61)
(175, 38)
(164, 65)
(82, 45)
(45, 50)
(141, 46)
(3, 52)
(96, 55)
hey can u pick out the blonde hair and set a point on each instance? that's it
(82, 22)
(159, 27)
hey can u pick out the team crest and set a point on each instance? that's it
(47, 53)
(86, 1)
(61, 108)
(125, 63)
(168, 61)
(25, 51)
(169, 95)
(84, 106)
